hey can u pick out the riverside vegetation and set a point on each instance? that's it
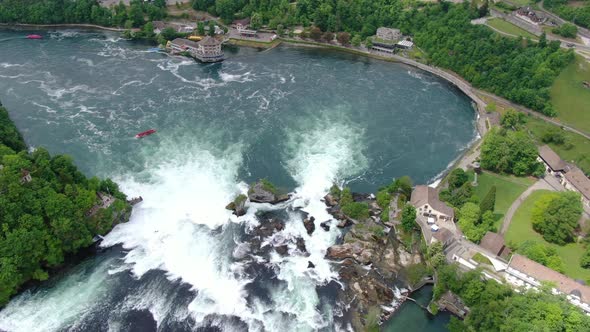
(45, 219)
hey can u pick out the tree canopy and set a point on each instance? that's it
(44, 210)
(556, 215)
(513, 152)
(80, 11)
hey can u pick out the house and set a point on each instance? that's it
(425, 200)
(554, 165)
(389, 34)
(206, 50)
(574, 179)
(494, 243)
(443, 236)
(242, 24)
(523, 272)
(530, 15)
(242, 27)
(25, 176)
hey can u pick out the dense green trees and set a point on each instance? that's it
(556, 215)
(567, 30)
(489, 201)
(513, 152)
(9, 135)
(578, 15)
(79, 11)
(45, 217)
(496, 307)
(473, 223)
(513, 119)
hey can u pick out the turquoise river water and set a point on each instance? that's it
(302, 118)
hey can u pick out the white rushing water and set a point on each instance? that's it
(182, 228)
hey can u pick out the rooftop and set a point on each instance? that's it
(426, 195)
(579, 180)
(443, 235)
(542, 273)
(209, 41)
(551, 158)
(244, 21)
(492, 242)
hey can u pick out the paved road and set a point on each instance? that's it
(547, 183)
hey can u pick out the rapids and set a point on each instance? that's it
(302, 118)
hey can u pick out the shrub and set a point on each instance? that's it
(356, 210)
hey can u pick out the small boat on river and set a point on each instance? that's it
(34, 37)
(145, 133)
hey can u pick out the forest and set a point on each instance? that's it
(45, 205)
(578, 15)
(80, 11)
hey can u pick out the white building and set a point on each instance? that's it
(525, 273)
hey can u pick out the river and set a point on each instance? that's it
(302, 118)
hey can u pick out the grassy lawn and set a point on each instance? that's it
(509, 28)
(521, 230)
(521, 2)
(508, 188)
(570, 99)
(578, 153)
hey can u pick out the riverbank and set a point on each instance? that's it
(66, 26)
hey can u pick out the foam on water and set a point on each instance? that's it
(68, 301)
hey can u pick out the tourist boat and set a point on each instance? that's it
(34, 37)
(145, 133)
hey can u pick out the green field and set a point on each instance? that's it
(521, 230)
(509, 28)
(570, 98)
(521, 2)
(508, 188)
(578, 153)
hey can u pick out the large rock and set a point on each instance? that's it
(238, 205)
(325, 225)
(309, 225)
(264, 192)
(330, 200)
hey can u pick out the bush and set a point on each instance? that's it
(356, 210)
(408, 218)
(343, 38)
(383, 198)
(553, 135)
(566, 30)
(542, 254)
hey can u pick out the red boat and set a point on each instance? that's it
(34, 37)
(145, 133)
